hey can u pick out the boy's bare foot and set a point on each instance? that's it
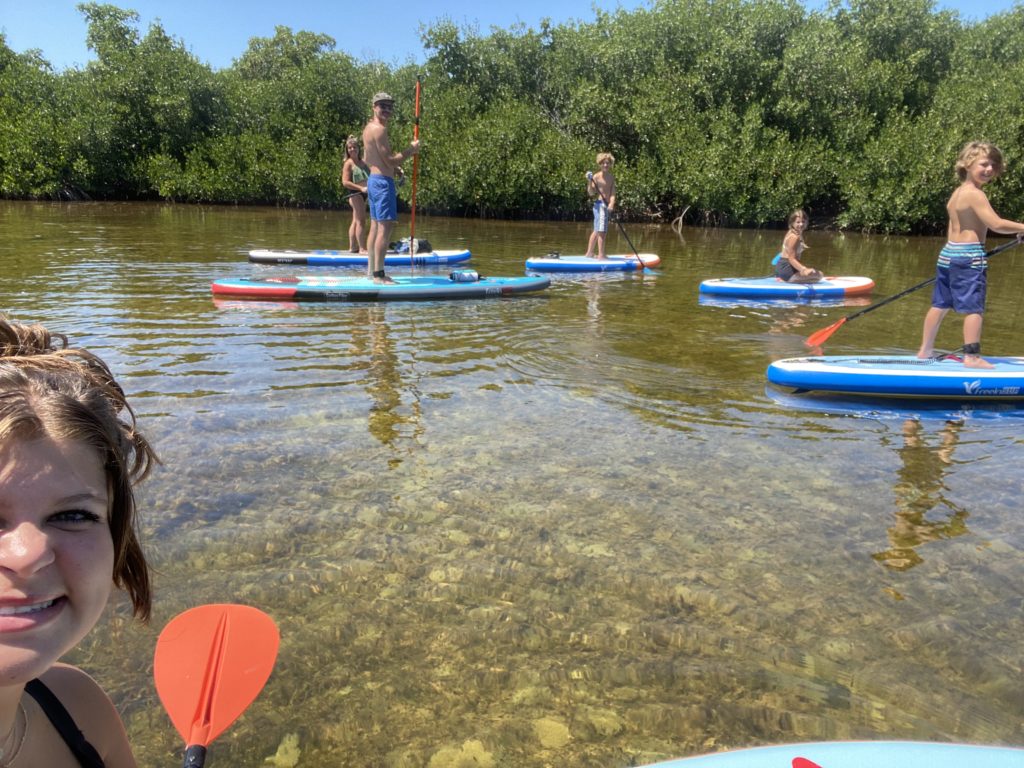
(976, 361)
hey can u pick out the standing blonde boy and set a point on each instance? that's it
(601, 185)
(960, 279)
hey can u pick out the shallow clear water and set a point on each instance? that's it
(566, 529)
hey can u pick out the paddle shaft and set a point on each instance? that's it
(923, 283)
(622, 229)
(882, 303)
(415, 173)
(820, 337)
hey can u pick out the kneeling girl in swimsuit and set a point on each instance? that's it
(787, 263)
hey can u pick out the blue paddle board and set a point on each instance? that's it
(902, 376)
(858, 754)
(349, 259)
(896, 408)
(405, 288)
(554, 262)
(773, 288)
(754, 302)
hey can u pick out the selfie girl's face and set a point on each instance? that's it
(56, 551)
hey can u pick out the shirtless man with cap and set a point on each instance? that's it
(381, 185)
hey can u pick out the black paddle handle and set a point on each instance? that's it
(195, 756)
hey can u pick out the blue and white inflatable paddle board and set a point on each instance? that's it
(858, 754)
(405, 288)
(897, 408)
(773, 288)
(348, 259)
(902, 376)
(554, 262)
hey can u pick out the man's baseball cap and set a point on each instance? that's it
(381, 96)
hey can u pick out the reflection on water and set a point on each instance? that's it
(775, 305)
(390, 417)
(919, 490)
(565, 530)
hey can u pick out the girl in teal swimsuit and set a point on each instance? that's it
(354, 174)
(787, 262)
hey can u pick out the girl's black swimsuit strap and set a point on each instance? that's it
(85, 752)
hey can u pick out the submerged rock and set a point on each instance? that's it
(551, 733)
(288, 752)
(471, 755)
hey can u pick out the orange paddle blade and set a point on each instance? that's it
(210, 664)
(818, 338)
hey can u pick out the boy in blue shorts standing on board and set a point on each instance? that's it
(602, 186)
(960, 279)
(380, 186)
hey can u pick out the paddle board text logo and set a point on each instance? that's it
(974, 388)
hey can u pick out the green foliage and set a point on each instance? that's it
(141, 97)
(735, 110)
(509, 161)
(30, 118)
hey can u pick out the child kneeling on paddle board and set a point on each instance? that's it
(787, 261)
(69, 457)
(960, 274)
(601, 185)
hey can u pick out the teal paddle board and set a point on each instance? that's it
(405, 288)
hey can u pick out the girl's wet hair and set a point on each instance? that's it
(51, 390)
(971, 151)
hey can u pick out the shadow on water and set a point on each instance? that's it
(571, 530)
